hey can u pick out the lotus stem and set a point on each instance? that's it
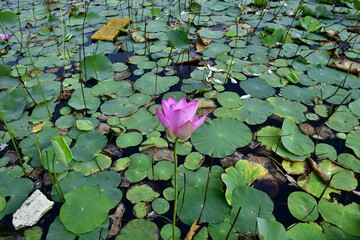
(176, 187)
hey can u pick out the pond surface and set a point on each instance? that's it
(277, 158)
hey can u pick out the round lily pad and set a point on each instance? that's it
(139, 229)
(84, 125)
(350, 161)
(85, 209)
(220, 137)
(324, 150)
(229, 99)
(140, 210)
(163, 170)
(269, 136)
(257, 88)
(166, 233)
(141, 193)
(129, 139)
(88, 145)
(193, 160)
(160, 205)
(288, 109)
(303, 206)
(142, 120)
(342, 121)
(255, 111)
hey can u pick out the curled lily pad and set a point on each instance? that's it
(220, 137)
(294, 140)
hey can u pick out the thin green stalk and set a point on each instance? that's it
(52, 177)
(232, 56)
(38, 81)
(176, 187)
(13, 140)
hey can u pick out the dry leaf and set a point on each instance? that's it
(318, 171)
(115, 220)
(347, 65)
(194, 227)
(201, 44)
(38, 127)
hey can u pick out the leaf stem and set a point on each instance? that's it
(176, 187)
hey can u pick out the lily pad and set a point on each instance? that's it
(352, 141)
(220, 137)
(255, 111)
(88, 145)
(81, 215)
(342, 121)
(138, 229)
(244, 173)
(257, 88)
(270, 229)
(294, 140)
(285, 108)
(303, 206)
(141, 193)
(345, 217)
(98, 67)
(130, 139)
(304, 231)
(251, 203)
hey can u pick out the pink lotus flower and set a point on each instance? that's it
(178, 118)
(4, 37)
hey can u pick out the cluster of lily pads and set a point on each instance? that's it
(279, 81)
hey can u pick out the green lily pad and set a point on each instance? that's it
(130, 139)
(352, 141)
(345, 217)
(77, 101)
(355, 107)
(163, 170)
(151, 84)
(342, 121)
(166, 232)
(79, 215)
(191, 198)
(141, 193)
(288, 109)
(253, 203)
(16, 196)
(98, 67)
(220, 230)
(193, 160)
(220, 137)
(324, 150)
(257, 88)
(160, 205)
(178, 39)
(142, 120)
(269, 136)
(120, 107)
(305, 95)
(304, 231)
(138, 229)
(294, 140)
(244, 173)
(255, 111)
(270, 229)
(88, 145)
(140, 210)
(350, 161)
(210, 34)
(342, 178)
(229, 99)
(84, 125)
(332, 232)
(303, 206)
(315, 186)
